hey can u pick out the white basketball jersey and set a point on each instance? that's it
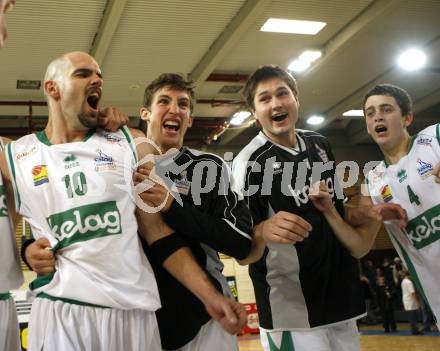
(78, 196)
(11, 276)
(410, 184)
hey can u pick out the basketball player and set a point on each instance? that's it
(209, 217)
(306, 279)
(69, 181)
(409, 176)
(11, 276)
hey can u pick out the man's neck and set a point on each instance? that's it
(288, 140)
(59, 131)
(394, 154)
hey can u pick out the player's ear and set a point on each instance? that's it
(145, 114)
(408, 119)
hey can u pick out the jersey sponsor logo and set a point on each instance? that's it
(86, 223)
(24, 154)
(301, 197)
(3, 205)
(70, 162)
(104, 162)
(424, 229)
(183, 184)
(385, 193)
(402, 175)
(39, 175)
(424, 169)
(424, 141)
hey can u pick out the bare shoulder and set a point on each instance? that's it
(136, 133)
(6, 141)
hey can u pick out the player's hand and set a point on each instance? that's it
(111, 119)
(285, 228)
(436, 173)
(388, 212)
(4, 6)
(320, 197)
(228, 312)
(157, 194)
(40, 256)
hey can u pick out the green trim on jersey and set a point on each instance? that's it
(42, 137)
(438, 132)
(13, 178)
(411, 269)
(73, 302)
(129, 137)
(5, 296)
(41, 280)
(286, 342)
(411, 143)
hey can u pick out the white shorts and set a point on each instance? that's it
(212, 337)
(9, 330)
(57, 325)
(339, 337)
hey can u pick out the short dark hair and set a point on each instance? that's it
(173, 81)
(402, 98)
(265, 73)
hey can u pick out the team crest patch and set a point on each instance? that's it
(39, 175)
(385, 192)
(183, 184)
(322, 154)
(104, 162)
(424, 141)
(112, 138)
(424, 168)
(402, 175)
(70, 162)
(277, 167)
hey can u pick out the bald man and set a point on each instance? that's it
(72, 182)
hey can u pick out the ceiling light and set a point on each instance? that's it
(310, 55)
(298, 66)
(412, 59)
(239, 117)
(353, 113)
(292, 26)
(315, 120)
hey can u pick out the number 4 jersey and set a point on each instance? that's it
(410, 184)
(78, 196)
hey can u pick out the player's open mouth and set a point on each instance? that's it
(279, 117)
(93, 98)
(380, 129)
(172, 126)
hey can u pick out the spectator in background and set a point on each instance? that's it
(386, 299)
(370, 318)
(411, 303)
